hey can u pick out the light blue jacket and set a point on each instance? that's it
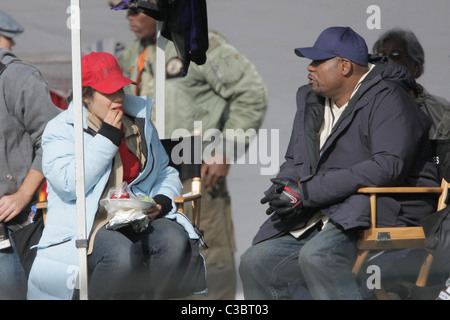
(55, 267)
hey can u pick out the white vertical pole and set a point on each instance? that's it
(79, 148)
(160, 81)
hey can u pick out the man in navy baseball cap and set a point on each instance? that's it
(355, 125)
(337, 42)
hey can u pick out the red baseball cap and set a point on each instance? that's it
(101, 71)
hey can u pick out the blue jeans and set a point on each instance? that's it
(13, 281)
(320, 260)
(129, 265)
(113, 267)
(166, 254)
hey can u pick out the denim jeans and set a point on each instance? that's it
(320, 260)
(129, 265)
(114, 267)
(13, 281)
(166, 253)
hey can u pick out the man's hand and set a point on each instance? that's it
(285, 199)
(214, 169)
(13, 204)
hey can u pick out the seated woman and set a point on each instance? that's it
(121, 144)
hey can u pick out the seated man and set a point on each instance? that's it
(355, 126)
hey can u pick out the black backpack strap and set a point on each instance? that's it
(2, 67)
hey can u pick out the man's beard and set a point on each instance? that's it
(317, 90)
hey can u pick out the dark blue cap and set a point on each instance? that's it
(337, 42)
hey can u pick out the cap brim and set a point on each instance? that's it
(111, 85)
(314, 53)
(10, 34)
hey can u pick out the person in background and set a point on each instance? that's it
(25, 109)
(224, 93)
(403, 47)
(9, 29)
(157, 261)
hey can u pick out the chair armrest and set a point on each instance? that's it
(373, 191)
(400, 190)
(187, 198)
(179, 202)
(41, 205)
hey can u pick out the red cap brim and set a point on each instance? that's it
(112, 84)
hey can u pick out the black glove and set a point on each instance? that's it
(285, 199)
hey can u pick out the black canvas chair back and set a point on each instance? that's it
(185, 155)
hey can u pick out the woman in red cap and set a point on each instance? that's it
(121, 145)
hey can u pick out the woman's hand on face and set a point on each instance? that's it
(114, 117)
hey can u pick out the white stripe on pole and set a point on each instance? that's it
(160, 81)
(79, 146)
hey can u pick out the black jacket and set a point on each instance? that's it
(381, 139)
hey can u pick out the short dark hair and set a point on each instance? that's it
(86, 92)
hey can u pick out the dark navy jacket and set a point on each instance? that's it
(381, 139)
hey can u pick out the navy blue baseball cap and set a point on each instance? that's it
(337, 42)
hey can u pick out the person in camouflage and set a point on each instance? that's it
(224, 93)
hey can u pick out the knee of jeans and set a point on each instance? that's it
(250, 260)
(312, 257)
(125, 256)
(178, 245)
(169, 237)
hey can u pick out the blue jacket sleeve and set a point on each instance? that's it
(59, 158)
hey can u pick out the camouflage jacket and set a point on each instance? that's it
(224, 93)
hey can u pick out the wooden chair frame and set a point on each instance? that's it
(375, 238)
(194, 197)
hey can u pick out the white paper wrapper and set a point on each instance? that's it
(127, 211)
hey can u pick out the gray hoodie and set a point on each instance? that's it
(25, 109)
